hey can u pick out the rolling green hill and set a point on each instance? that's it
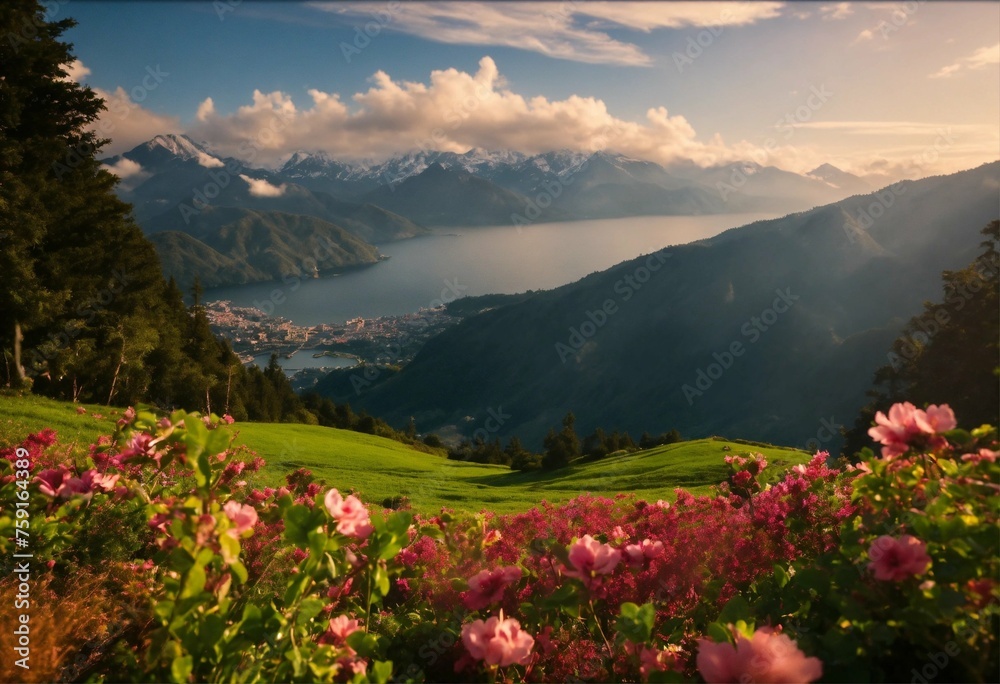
(226, 246)
(379, 468)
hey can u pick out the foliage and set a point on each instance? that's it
(840, 574)
(949, 351)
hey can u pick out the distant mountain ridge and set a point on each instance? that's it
(792, 314)
(174, 182)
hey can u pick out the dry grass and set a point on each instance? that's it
(74, 622)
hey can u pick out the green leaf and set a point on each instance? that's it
(719, 633)
(240, 571)
(381, 671)
(635, 623)
(180, 669)
(230, 548)
(736, 609)
(308, 609)
(364, 643)
(194, 582)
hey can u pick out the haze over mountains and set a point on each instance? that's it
(192, 202)
(769, 331)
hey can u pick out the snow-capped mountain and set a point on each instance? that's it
(842, 180)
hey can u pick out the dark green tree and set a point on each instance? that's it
(949, 353)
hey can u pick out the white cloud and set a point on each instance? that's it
(569, 30)
(895, 128)
(980, 59)
(866, 34)
(841, 10)
(208, 161)
(128, 123)
(124, 168)
(454, 111)
(261, 188)
(76, 71)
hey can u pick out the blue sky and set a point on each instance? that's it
(909, 88)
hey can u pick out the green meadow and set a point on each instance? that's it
(378, 468)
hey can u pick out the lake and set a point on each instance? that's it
(304, 359)
(424, 271)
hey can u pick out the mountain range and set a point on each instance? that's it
(178, 185)
(771, 331)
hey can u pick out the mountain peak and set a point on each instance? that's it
(172, 146)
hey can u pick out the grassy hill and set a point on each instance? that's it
(380, 468)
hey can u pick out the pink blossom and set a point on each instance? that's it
(655, 660)
(487, 587)
(338, 630)
(497, 641)
(897, 559)
(651, 549)
(228, 419)
(94, 480)
(350, 514)
(905, 422)
(80, 410)
(936, 419)
(242, 516)
(633, 555)
(590, 558)
(767, 656)
(51, 481)
(982, 455)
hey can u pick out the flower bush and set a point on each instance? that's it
(885, 571)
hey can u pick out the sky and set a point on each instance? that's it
(885, 89)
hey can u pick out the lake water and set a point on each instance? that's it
(303, 359)
(475, 261)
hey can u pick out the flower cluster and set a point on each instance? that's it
(837, 573)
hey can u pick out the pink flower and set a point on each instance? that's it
(228, 419)
(633, 556)
(51, 481)
(242, 516)
(765, 657)
(80, 410)
(487, 587)
(896, 430)
(652, 549)
(983, 455)
(350, 514)
(498, 641)
(936, 419)
(897, 559)
(590, 558)
(338, 630)
(905, 422)
(94, 480)
(655, 660)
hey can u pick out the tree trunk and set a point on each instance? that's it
(18, 336)
(114, 380)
